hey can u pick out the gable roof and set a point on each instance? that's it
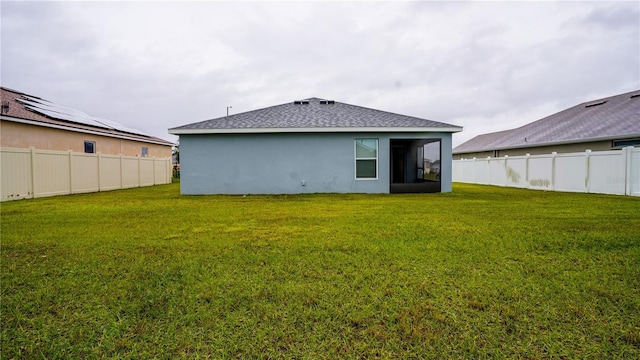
(314, 115)
(608, 118)
(32, 110)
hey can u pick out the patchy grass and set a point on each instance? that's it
(483, 272)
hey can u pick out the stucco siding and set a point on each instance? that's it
(23, 136)
(287, 163)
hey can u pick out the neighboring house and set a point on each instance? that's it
(315, 146)
(29, 121)
(49, 149)
(604, 124)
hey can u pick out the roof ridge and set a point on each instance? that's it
(313, 114)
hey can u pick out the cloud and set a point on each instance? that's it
(483, 65)
(615, 16)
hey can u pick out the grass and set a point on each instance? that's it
(483, 272)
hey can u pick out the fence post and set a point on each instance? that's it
(154, 171)
(487, 172)
(70, 171)
(628, 169)
(526, 170)
(121, 171)
(475, 172)
(99, 159)
(506, 169)
(553, 170)
(587, 157)
(168, 173)
(139, 172)
(169, 166)
(33, 171)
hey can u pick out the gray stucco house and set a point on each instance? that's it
(315, 146)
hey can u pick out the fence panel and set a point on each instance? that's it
(607, 172)
(633, 172)
(147, 172)
(516, 171)
(570, 170)
(459, 170)
(85, 173)
(29, 173)
(162, 171)
(51, 173)
(541, 172)
(110, 172)
(16, 174)
(481, 171)
(130, 172)
(496, 173)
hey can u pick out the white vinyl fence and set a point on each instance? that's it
(31, 173)
(606, 172)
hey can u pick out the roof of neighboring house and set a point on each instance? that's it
(313, 115)
(609, 118)
(29, 109)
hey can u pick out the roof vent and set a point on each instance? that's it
(301, 102)
(595, 104)
(635, 95)
(327, 102)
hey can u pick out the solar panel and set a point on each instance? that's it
(62, 112)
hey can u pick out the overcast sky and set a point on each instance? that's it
(486, 66)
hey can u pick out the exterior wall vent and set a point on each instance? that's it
(301, 102)
(595, 104)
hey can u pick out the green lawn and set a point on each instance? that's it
(483, 272)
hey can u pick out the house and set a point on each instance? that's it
(605, 124)
(49, 149)
(315, 146)
(29, 121)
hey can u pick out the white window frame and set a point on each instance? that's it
(356, 158)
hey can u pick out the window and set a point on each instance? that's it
(624, 143)
(145, 151)
(90, 147)
(366, 158)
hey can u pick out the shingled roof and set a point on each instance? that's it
(33, 110)
(609, 118)
(314, 115)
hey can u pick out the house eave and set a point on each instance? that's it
(177, 131)
(555, 143)
(85, 131)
